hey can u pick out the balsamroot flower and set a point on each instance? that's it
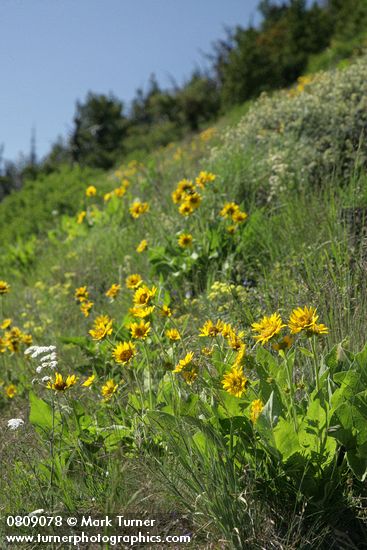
(11, 390)
(185, 362)
(209, 329)
(102, 327)
(109, 389)
(185, 240)
(133, 281)
(142, 246)
(4, 287)
(85, 307)
(204, 178)
(140, 330)
(173, 334)
(113, 291)
(89, 381)
(143, 295)
(268, 327)
(166, 311)
(234, 382)
(59, 384)
(138, 208)
(229, 209)
(81, 294)
(141, 312)
(124, 352)
(91, 191)
(305, 319)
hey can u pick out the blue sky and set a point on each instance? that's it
(52, 52)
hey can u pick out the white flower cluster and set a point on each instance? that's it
(15, 423)
(47, 359)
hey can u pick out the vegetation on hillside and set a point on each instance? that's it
(190, 336)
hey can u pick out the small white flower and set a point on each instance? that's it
(49, 357)
(45, 379)
(15, 423)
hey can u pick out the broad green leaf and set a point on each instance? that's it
(286, 439)
(40, 414)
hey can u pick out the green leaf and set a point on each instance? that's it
(305, 351)
(265, 426)
(349, 427)
(286, 439)
(41, 414)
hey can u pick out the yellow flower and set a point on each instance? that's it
(209, 329)
(81, 294)
(138, 208)
(91, 191)
(120, 191)
(4, 287)
(5, 324)
(109, 389)
(113, 291)
(305, 319)
(173, 334)
(183, 363)
(240, 356)
(177, 196)
(133, 281)
(60, 384)
(166, 311)
(13, 339)
(318, 329)
(207, 134)
(235, 340)
(234, 382)
(85, 307)
(207, 351)
(140, 330)
(141, 312)
(27, 339)
(284, 344)
(2, 345)
(302, 319)
(185, 209)
(10, 391)
(190, 375)
(107, 197)
(256, 408)
(102, 327)
(194, 200)
(231, 229)
(268, 327)
(185, 186)
(124, 352)
(229, 209)
(142, 246)
(239, 216)
(89, 381)
(227, 329)
(81, 217)
(143, 295)
(185, 240)
(204, 178)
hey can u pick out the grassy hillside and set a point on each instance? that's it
(212, 395)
